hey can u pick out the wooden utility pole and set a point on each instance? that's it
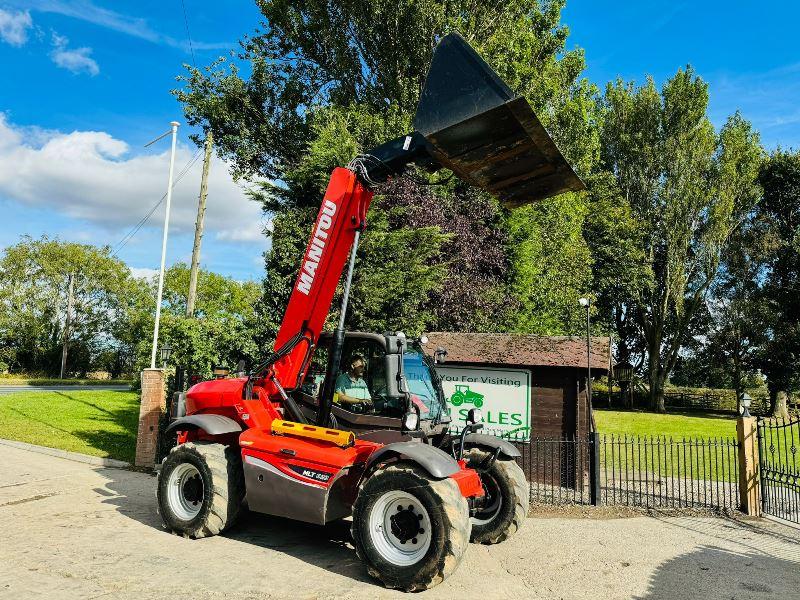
(198, 227)
(71, 288)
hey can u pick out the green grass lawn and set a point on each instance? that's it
(100, 423)
(697, 450)
(677, 425)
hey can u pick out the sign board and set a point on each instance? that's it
(503, 395)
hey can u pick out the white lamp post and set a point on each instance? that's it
(174, 132)
(587, 304)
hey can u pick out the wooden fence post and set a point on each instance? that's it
(749, 483)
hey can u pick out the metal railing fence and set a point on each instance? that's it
(642, 471)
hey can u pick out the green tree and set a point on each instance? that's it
(327, 80)
(779, 218)
(689, 189)
(220, 332)
(34, 275)
(550, 264)
(740, 323)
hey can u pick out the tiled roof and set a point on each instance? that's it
(518, 349)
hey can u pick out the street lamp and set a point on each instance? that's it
(166, 350)
(746, 401)
(587, 304)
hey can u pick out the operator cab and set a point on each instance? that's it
(365, 399)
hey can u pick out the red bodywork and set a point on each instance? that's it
(305, 470)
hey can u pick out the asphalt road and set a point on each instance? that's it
(72, 530)
(10, 389)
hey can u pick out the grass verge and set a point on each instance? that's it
(99, 423)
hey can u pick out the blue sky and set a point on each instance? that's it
(747, 52)
(86, 83)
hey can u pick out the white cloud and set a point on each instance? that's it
(86, 10)
(76, 60)
(90, 175)
(143, 272)
(14, 27)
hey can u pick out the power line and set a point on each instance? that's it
(128, 236)
(189, 35)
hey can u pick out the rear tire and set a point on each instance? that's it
(410, 530)
(200, 489)
(507, 488)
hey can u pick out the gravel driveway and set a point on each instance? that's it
(72, 530)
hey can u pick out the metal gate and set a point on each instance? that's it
(779, 465)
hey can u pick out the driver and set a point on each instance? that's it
(350, 385)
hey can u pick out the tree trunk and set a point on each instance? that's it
(627, 396)
(780, 407)
(657, 377)
(657, 397)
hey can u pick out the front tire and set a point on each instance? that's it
(508, 498)
(200, 489)
(410, 530)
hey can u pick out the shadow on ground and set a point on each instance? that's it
(329, 547)
(712, 572)
(767, 566)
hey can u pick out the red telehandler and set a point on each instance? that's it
(248, 438)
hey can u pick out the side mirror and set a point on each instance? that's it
(438, 356)
(396, 385)
(474, 416)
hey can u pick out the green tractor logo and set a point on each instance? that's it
(464, 395)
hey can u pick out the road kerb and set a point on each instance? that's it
(74, 456)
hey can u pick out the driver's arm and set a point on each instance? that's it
(343, 386)
(345, 399)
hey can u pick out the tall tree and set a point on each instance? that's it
(614, 237)
(739, 321)
(34, 276)
(779, 215)
(328, 79)
(689, 188)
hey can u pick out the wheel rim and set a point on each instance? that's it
(494, 499)
(400, 528)
(185, 491)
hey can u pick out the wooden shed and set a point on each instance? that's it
(529, 387)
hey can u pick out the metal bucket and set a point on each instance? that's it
(477, 128)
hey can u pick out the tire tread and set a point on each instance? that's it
(515, 477)
(457, 536)
(227, 489)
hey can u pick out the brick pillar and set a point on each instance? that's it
(749, 483)
(154, 402)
